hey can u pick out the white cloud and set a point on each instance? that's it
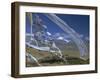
(49, 33)
(60, 38)
(66, 40)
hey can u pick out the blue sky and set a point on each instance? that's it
(80, 23)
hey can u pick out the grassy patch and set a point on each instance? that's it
(48, 59)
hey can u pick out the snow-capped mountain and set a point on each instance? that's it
(61, 36)
(56, 36)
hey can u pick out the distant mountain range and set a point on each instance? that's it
(57, 37)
